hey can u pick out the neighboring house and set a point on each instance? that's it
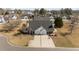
(30, 13)
(41, 25)
(52, 19)
(11, 11)
(71, 16)
(25, 18)
(14, 17)
(6, 17)
(2, 20)
(64, 17)
(49, 13)
(26, 12)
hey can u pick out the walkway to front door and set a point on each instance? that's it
(42, 41)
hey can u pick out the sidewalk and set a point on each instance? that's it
(42, 41)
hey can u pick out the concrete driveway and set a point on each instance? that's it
(42, 41)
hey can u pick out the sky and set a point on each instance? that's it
(47, 4)
(44, 8)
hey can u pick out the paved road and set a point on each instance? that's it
(42, 41)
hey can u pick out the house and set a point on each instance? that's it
(30, 13)
(2, 20)
(14, 17)
(64, 17)
(49, 13)
(41, 25)
(52, 19)
(41, 30)
(6, 17)
(25, 18)
(27, 12)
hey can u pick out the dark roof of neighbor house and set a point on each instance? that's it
(39, 18)
(40, 21)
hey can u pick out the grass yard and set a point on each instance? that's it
(62, 41)
(20, 40)
(67, 40)
(74, 37)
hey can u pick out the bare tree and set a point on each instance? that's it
(73, 23)
(36, 11)
(1, 11)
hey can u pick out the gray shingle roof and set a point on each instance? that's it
(40, 21)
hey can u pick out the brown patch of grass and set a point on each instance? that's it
(74, 37)
(61, 40)
(21, 40)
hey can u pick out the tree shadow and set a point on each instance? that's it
(66, 33)
(16, 34)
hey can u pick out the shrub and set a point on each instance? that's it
(10, 26)
(58, 22)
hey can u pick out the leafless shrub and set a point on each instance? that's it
(74, 21)
(10, 26)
